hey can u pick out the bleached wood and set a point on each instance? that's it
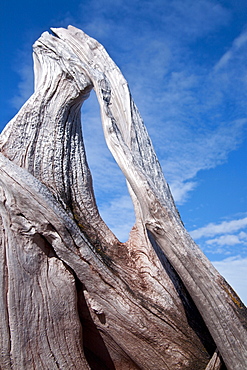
(215, 362)
(72, 295)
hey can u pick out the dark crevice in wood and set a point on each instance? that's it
(194, 318)
(44, 245)
(95, 350)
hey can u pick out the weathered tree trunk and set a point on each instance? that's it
(72, 295)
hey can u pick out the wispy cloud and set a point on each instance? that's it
(191, 152)
(224, 227)
(238, 43)
(26, 85)
(229, 239)
(196, 19)
(182, 18)
(181, 189)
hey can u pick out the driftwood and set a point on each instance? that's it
(72, 295)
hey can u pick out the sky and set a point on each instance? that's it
(185, 62)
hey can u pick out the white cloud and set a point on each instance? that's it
(224, 227)
(223, 60)
(191, 152)
(188, 18)
(234, 271)
(239, 42)
(25, 86)
(243, 235)
(197, 18)
(180, 190)
(228, 239)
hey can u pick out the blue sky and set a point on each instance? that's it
(185, 62)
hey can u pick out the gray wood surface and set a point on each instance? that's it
(72, 295)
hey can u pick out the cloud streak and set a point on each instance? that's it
(223, 228)
(25, 86)
(229, 240)
(238, 43)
